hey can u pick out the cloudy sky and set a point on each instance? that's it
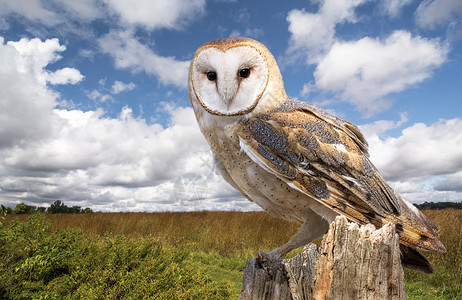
(94, 109)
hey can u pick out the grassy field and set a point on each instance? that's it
(221, 242)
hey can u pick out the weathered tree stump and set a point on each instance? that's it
(352, 263)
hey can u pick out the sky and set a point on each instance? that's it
(94, 107)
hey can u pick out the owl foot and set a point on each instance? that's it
(270, 261)
(271, 256)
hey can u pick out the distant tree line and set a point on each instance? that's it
(58, 207)
(439, 205)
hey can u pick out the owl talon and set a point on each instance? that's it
(270, 261)
(272, 256)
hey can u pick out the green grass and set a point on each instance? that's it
(446, 281)
(220, 268)
(424, 291)
(217, 246)
(38, 263)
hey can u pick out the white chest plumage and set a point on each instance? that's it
(257, 184)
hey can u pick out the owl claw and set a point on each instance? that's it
(272, 256)
(270, 262)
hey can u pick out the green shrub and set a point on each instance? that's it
(37, 263)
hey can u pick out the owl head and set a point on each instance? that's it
(234, 76)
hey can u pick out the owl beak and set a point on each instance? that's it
(228, 101)
(228, 91)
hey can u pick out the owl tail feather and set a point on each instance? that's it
(412, 259)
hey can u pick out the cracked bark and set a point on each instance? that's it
(352, 263)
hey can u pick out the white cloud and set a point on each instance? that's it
(422, 151)
(150, 14)
(97, 95)
(421, 164)
(155, 14)
(119, 87)
(418, 192)
(432, 13)
(312, 34)
(86, 10)
(95, 160)
(379, 127)
(394, 7)
(65, 76)
(34, 55)
(31, 9)
(307, 89)
(54, 12)
(452, 182)
(4, 24)
(26, 102)
(86, 158)
(129, 53)
(363, 72)
(125, 163)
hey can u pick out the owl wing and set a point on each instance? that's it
(322, 155)
(326, 159)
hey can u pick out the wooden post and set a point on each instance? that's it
(352, 263)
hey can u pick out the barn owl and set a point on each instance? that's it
(293, 159)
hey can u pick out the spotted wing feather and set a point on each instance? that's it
(326, 159)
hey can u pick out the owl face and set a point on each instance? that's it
(228, 79)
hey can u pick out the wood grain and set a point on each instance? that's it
(352, 262)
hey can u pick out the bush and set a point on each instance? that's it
(22, 208)
(39, 263)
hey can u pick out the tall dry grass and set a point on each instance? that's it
(447, 276)
(449, 222)
(224, 232)
(229, 231)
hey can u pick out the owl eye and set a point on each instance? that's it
(211, 75)
(244, 73)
